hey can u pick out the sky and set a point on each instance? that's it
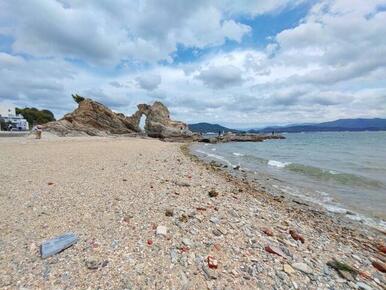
(238, 63)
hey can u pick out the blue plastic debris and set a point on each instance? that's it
(58, 244)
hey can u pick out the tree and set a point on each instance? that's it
(77, 98)
(35, 116)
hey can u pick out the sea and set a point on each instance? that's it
(345, 172)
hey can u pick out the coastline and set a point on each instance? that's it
(115, 192)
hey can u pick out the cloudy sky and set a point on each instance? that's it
(238, 63)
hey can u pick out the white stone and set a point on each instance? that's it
(162, 230)
(302, 267)
(363, 286)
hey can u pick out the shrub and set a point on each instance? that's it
(77, 98)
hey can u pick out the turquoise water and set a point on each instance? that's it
(341, 170)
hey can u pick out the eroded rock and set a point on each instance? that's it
(95, 119)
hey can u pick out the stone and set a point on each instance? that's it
(94, 263)
(288, 269)
(381, 248)
(169, 212)
(173, 255)
(58, 244)
(217, 233)
(187, 242)
(183, 218)
(214, 220)
(212, 262)
(363, 286)
(268, 232)
(209, 273)
(302, 267)
(161, 231)
(296, 236)
(274, 250)
(213, 193)
(380, 266)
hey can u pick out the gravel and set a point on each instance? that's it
(115, 194)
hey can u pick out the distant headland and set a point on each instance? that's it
(358, 124)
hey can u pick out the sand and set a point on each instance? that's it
(116, 193)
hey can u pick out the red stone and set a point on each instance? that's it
(268, 232)
(212, 262)
(274, 250)
(50, 183)
(149, 242)
(379, 266)
(382, 248)
(296, 236)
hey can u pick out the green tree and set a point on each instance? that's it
(35, 116)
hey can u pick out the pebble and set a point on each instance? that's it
(217, 233)
(187, 242)
(162, 231)
(209, 273)
(363, 286)
(274, 250)
(93, 263)
(302, 267)
(288, 269)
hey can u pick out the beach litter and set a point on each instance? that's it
(51, 247)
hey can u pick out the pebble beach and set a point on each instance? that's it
(148, 215)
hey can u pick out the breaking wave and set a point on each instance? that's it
(278, 163)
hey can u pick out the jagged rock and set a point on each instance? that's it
(159, 125)
(94, 119)
(233, 137)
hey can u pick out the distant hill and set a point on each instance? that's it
(209, 128)
(375, 124)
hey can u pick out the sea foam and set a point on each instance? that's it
(278, 163)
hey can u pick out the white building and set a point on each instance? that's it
(18, 123)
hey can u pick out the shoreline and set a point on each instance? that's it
(255, 186)
(276, 185)
(150, 216)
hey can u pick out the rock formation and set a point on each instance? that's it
(94, 119)
(232, 137)
(159, 125)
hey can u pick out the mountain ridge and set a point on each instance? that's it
(354, 124)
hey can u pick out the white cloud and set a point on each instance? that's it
(149, 81)
(331, 65)
(220, 77)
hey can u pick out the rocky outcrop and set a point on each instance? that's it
(94, 119)
(232, 137)
(159, 125)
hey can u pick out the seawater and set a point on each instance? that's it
(343, 171)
